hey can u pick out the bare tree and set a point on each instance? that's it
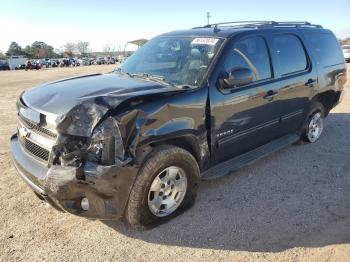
(107, 48)
(69, 49)
(83, 47)
(345, 41)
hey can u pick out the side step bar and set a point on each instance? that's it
(236, 163)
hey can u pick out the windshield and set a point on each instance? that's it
(179, 61)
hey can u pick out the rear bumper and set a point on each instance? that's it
(106, 187)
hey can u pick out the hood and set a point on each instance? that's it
(61, 96)
(78, 104)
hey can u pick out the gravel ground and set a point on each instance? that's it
(291, 206)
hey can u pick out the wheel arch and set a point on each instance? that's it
(328, 99)
(191, 143)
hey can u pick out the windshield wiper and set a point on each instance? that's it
(152, 77)
(149, 76)
(119, 70)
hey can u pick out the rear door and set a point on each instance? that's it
(328, 57)
(297, 77)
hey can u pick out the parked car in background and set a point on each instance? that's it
(33, 65)
(84, 61)
(189, 105)
(346, 52)
(109, 60)
(54, 62)
(65, 62)
(20, 67)
(123, 59)
(4, 65)
(100, 61)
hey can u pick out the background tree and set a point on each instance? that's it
(82, 47)
(28, 51)
(107, 48)
(14, 49)
(2, 56)
(345, 41)
(40, 49)
(69, 49)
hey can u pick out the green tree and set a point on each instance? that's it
(28, 51)
(2, 56)
(40, 49)
(14, 49)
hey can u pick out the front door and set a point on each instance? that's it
(244, 117)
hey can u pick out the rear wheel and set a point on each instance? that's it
(314, 125)
(165, 186)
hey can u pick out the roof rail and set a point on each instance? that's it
(259, 24)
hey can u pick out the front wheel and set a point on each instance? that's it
(165, 186)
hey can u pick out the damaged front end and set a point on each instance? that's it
(85, 174)
(77, 139)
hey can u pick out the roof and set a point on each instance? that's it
(138, 42)
(205, 32)
(226, 29)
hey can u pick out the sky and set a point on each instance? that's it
(116, 22)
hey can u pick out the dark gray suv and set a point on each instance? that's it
(189, 105)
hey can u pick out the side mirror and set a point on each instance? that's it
(237, 77)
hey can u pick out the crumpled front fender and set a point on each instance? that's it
(106, 187)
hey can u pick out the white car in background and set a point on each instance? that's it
(346, 52)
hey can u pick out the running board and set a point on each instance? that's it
(236, 163)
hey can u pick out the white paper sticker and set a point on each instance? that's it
(204, 41)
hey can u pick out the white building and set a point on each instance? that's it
(15, 61)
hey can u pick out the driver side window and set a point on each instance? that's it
(250, 53)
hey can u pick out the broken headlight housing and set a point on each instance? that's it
(106, 145)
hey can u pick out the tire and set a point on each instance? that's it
(309, 133)
(140, 212)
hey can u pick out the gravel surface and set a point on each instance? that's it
(293, 205)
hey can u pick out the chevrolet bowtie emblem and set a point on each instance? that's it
(23, 132)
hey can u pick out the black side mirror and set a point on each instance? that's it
(237, 77)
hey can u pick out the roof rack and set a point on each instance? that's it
(259, 24)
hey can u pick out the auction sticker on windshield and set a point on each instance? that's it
(204, 41)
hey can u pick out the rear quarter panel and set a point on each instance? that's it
(330, 76)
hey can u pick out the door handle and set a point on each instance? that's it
(310, 82)
(270, 95)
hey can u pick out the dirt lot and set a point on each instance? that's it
(291, 206)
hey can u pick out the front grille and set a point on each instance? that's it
(36, 127)
(36, 150)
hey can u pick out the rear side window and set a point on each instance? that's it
(290, 54)
(326, 48)
(251, 53)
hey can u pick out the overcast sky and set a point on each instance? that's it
(116, 22)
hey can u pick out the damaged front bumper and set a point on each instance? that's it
(107, 188)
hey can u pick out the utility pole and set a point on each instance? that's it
(208, 18)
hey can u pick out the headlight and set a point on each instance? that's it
(106, 143)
